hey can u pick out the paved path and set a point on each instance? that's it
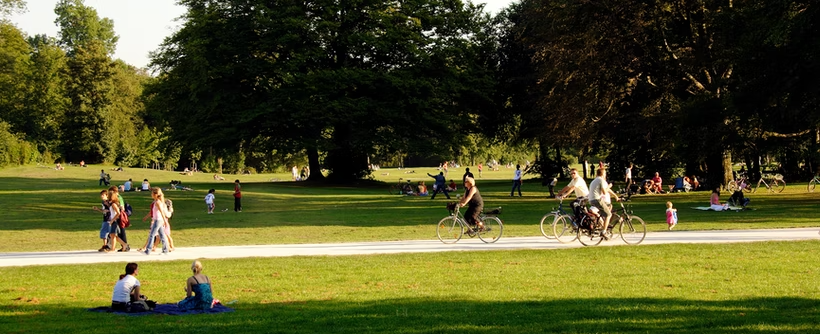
(412, 246)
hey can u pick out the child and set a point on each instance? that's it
(106, 211)
(237, 194)
(671, 216)
(209, 201)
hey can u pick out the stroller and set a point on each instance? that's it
(737, 199)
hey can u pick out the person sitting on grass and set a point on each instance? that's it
(452, 186)
(422, 189)
(657, 184)
(145, 185)
(198, 289)
(127, 289)
(714, 201)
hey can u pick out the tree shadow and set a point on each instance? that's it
(424, 315)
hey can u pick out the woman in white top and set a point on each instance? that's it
(127, 288)
(145, 185)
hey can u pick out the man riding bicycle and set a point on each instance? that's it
(578, 185)
(598, 191)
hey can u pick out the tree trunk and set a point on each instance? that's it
(313, 163)
(727, 167)
(219, 161)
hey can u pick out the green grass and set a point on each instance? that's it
(743, 288)
(47, 210)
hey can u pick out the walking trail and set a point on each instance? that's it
(391, 247)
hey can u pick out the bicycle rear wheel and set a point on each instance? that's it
(449, 230)
(546, 226)
(732, 186)
(778, 185)
(811, 186)
(588, 237)
(633, 230)
(393, 190)
(493, 228)
(564, 230)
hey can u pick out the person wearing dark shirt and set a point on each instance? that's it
(439, 185)
(466, 174)
(474, 203)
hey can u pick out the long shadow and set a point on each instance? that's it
(429, 315)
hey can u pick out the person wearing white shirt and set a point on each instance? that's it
(598, 195)
(209, 201)
(579, 186)
(127, 288)
(516, 181)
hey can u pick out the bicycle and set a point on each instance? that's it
(450, 229)
(631, 228)
(813, 183)
(560, 223)
(775, 184)
(741, 183)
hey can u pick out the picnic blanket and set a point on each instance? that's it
(169, 309)
(731, 208)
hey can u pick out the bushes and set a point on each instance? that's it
(15, 151)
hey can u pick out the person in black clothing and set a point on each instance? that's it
(474, 203)
(466, 174)
(439, 185)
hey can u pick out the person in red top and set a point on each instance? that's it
(656, 184)
(237, 196)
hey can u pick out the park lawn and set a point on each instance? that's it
(711, 288)
(49, 210)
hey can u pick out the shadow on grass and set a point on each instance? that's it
(770, 315)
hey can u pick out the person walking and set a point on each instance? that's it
(516, 181)
(439, 185)
(467, 174)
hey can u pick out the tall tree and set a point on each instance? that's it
(7, 7)
(80, 25)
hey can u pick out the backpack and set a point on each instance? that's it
(128, 209)
(124, 221)
(170, 206)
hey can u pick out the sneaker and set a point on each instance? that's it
(102, 249)
(146, 252)
(606, 236)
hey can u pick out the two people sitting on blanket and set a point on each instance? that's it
(714, 201)
(737, 199)
(198, 289)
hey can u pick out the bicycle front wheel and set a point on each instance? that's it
(778, 185)
(493, 228)
(546, 226)
(588, 237)
(811, 186)
(564, 230)
(732, 186)
(449, 230)
(633, 230)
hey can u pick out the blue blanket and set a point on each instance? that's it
(169, 309)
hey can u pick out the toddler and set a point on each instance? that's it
(671, 215)
(209, 201)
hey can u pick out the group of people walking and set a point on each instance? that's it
(115, 219)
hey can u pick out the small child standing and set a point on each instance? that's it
(209, 201)
(671, 216)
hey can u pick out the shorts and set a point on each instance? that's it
(114, 228)
(104, 230)
(210, 206)
(603, 210)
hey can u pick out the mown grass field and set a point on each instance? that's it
(49, 210)
(743, 288)
(736, 288)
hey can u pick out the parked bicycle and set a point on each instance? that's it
(588, 231)
(565, 223)
(813, 183)
(450, 229)
(741, 183)
(775, 183)
(399, 188)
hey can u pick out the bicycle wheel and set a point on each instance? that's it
(563, 229)
(758, 185)
(449, 230)
(811, 186)
(393, 190)
(633, 230)
(546, 226)
(588, 237)
(493, 228)
(732, 186)
(778, 185)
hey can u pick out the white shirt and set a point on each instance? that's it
(123, 288)
(607, 198)
(628, 172)
(597, 188)
(580, 185)
(145, 185)
(209, 199)
(517, 175)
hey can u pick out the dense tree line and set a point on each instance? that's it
(679, 86)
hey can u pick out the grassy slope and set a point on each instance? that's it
(745, 288)
(50, 210)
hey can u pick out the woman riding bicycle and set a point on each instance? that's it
(474, 203)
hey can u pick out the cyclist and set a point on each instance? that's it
(474, 203)
(598, 194)
(578, 185)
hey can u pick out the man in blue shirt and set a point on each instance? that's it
(439, 185)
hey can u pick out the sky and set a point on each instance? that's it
(141, 24)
